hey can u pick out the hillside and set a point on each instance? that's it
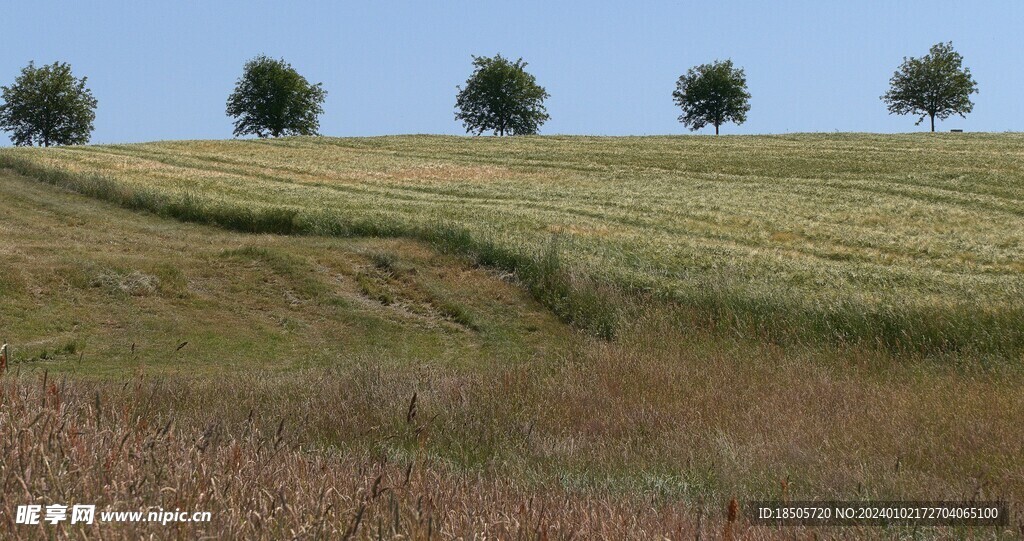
(911, 241)
(407, 383)
(91, 289)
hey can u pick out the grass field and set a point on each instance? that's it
(913, 242)
(158, 362)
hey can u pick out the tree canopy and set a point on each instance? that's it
(501, 97)
(713, 94)
(272, 99)
(48, 106)
(933, 86)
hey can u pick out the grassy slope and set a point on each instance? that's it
(333, 336)
(912, 241)
(97, 290)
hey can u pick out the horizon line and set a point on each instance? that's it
(552, 135)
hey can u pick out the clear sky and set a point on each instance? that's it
(163, 70)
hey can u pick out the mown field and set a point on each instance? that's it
(911, 242)
(269, 378)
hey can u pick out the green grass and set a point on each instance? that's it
(99, 291)
(911, 242)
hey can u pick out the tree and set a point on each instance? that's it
(48, 106)
(934, 86)
(500, 96)
(712, 94)
(271, 98)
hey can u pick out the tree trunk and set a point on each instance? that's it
(933, 122)
(716, 129)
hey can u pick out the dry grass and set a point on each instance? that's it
(912, 242)
(522, 428)
(261, 467)
(68, 442)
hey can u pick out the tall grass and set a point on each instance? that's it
(598, 449)
(70, 442)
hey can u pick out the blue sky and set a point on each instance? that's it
(163, 70)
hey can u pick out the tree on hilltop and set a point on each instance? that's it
(48, 106)
(713, 94)
(933, 86)
(501, 97)
(272, 99)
